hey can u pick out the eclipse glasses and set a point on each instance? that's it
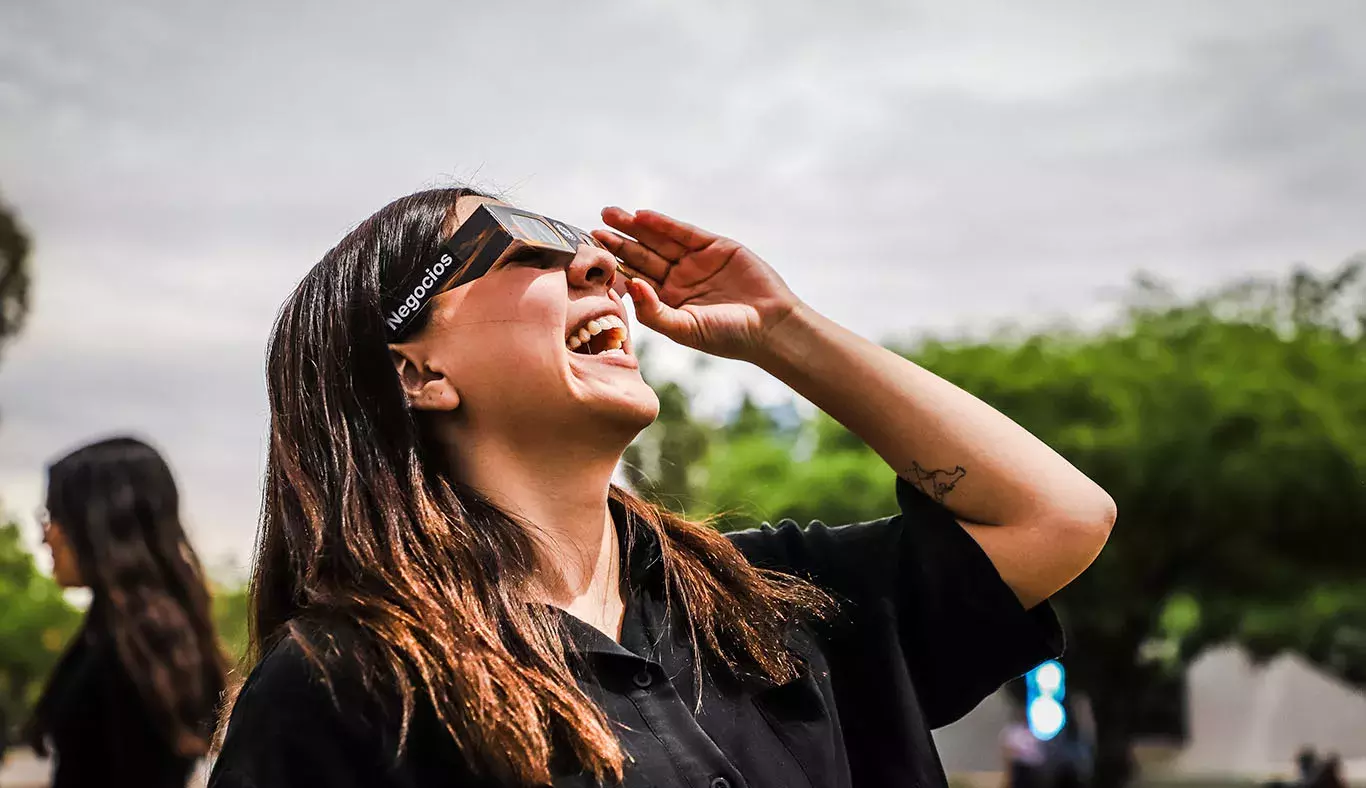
(492, 236)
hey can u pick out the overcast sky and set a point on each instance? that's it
(909, 167)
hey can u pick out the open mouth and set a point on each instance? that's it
(601, 335)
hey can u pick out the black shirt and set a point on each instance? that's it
(96, 725)
(926, 630)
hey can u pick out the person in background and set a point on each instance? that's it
(1023, 754)
(1328, 773)
(132, 701)
(1306, 763)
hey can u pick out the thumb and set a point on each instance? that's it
(655, 314)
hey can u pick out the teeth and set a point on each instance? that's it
(596, 326)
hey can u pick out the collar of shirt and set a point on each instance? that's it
(646, 642)
(650, 637)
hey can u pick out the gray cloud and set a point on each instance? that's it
(907, 167)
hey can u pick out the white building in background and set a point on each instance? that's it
(973, 744)
(1251, 719)
(1245, 721)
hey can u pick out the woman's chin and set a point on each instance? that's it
(620, 410)
(633, 406)
(613, 393)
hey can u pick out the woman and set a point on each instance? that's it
(449, 590)
(132, 701)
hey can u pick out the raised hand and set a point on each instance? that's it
(695, 287)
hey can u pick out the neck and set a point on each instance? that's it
(562, 492)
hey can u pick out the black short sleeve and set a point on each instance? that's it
(286, 731)
(960, 630)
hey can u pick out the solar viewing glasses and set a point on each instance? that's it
(492, 236)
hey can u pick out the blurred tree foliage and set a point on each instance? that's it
(14, 274)
(230, 619)
(1231, 431)
(35, 624)
(32, 612)
(663, 462)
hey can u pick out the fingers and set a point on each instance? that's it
(638, 259)
(686, 235)
(672, 323)
(627, 223)
(649, 243)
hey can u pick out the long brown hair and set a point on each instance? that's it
(117, 505)
(362, 528)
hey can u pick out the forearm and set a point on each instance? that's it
(980, 464)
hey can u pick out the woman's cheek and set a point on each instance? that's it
(511, 356)
(547, 295)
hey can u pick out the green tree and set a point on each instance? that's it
(662, 464)
(14, 274)
(1231, 431)
(230, 605)
(35, 624)
(1325, 623)
(24, 599)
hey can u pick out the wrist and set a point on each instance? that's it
(788, 339)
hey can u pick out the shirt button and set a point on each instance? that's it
(720, 782)
(643, 680)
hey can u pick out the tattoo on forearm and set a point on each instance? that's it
(938, 483)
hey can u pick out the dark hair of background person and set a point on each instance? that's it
(117, 505)
(363, 531)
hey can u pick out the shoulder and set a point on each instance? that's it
(90, 673)
(304, 717)
(288, 665)
(311, 674)
(288, 676)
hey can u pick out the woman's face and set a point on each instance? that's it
(64, 568)
(505, 354)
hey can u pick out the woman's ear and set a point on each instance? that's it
(425, 387)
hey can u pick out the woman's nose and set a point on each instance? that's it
(592, 267)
